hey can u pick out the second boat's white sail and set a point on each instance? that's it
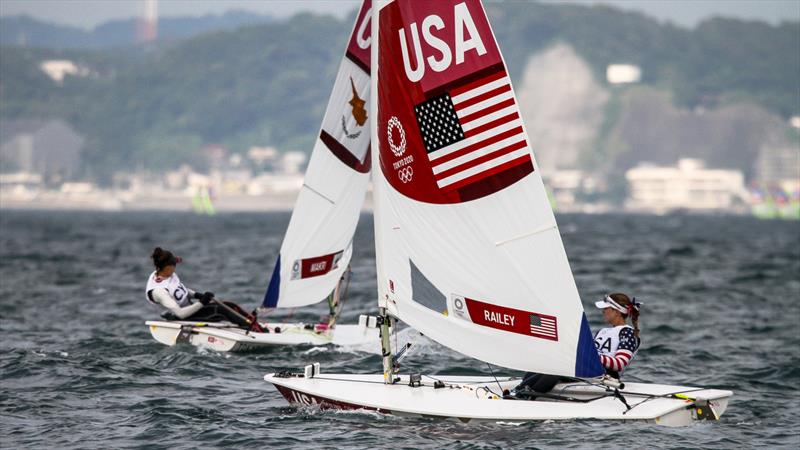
(468, 250)
(317, 247)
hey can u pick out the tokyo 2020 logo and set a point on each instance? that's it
(400, 147)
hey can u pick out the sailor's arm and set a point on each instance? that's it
(619, 361)
(622, 356)
(162, 297)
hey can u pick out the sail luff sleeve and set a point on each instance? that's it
(274, 287)
(587, 360)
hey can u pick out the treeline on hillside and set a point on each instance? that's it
(264, 85)
(29, 32)
(719, 60)
(268, 85)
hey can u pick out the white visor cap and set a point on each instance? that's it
(609, 302)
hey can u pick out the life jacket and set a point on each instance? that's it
(173, 285)
(609, 340)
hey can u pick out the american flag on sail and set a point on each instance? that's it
(544, 326)
(473, 131)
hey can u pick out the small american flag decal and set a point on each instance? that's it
(512, 320)
(544, 326)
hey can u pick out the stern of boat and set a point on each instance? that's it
(696, 409)
(198, 334)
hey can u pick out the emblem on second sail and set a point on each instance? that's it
(359, 113)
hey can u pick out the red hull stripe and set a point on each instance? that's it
(303, 398)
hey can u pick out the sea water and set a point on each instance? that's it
(78, 368)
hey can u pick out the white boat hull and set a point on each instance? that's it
(226, 337)
(468, 399)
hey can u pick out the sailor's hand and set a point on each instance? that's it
(206, 297)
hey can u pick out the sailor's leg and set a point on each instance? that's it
(233, 317)
(537, 382)
(545, 383)
(208, 313)
(528, 380)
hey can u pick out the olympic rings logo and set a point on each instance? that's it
(405, 174)
(397, 149)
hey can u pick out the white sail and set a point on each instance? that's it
(317, 247)
(468, 250)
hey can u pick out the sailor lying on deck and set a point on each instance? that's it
(616, 345)
(164, 288)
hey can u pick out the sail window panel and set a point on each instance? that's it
(424, 292)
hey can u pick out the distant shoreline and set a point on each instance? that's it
(286, 205)
(283, 202)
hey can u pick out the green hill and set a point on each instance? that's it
(269, 84)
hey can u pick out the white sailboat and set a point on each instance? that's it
(315, 255)
(468, 251)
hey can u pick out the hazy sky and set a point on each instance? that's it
(89, 13)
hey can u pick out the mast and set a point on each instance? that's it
(384, 318)
(386, 347)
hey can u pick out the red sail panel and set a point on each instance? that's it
(318, 265)
(512, 320)
(455, 134)
(358, 49)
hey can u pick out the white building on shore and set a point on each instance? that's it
(687, 186)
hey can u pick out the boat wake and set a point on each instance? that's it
(207, 351)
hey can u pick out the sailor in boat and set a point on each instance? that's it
(164, 288)
(616, 345)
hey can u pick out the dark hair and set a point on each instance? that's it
(163, 258)
(633, 309)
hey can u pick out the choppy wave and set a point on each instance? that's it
(78, 368)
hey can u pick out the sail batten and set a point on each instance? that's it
(467, 247)
(542, 229)
(321, 195)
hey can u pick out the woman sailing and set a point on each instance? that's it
(616, 345)
(164, 288)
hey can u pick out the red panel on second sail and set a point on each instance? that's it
(358, 48)
(316, 266)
